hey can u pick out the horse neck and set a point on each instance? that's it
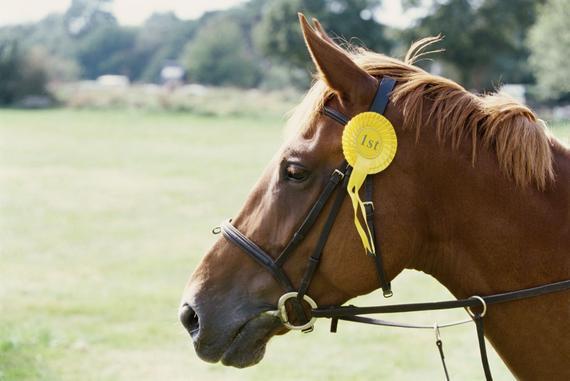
(485, 234)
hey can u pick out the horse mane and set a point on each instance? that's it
(520, 140)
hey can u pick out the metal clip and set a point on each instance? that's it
(368, 203)
(217, 230)
(436, 331)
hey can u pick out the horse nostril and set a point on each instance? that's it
(189, 318)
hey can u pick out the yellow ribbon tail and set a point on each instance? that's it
(355, 182)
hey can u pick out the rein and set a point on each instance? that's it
(306, 309)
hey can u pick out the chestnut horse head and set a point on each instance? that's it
(477, 196)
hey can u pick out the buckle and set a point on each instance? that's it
(339, 172)
(281, 312)
(337, 176)
(368, 203)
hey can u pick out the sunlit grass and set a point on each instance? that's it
(103, 217)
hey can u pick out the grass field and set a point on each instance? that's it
(103, 217)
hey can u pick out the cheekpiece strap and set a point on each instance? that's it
(382, 93)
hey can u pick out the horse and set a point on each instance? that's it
(477, 196)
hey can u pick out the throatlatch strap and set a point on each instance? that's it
(379, 103)
(377, 257)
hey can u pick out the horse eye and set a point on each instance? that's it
(296, 172)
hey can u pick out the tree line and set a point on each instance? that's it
(258, 43)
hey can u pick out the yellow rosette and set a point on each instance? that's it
(369, 144)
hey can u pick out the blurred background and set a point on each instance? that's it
(112, 170)
(69, 53)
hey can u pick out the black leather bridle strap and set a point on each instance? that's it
(478, 318)
(339, 312)
(377, 256)
(256, 253)
(313, 214)
(528, 292)
(378, 105)
(315, 258)
(335, 115)
(382, 98)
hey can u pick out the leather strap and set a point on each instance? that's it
(377, 257)
(256, 253)
(346, 311)
(315, 258)
(313, 214)
(482, 349)
(335, 115)
(381, 98)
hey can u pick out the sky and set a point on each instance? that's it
(133, 12)
(129, 12)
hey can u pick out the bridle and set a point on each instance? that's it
(306, 309)
(275, 266)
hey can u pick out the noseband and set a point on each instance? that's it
(308, 313)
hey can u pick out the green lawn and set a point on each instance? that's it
(103, 217)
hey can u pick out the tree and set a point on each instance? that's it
(161, 38)
(19, 76)
(106, 50)
(56, 68)
(84, 16)
(279, 35)
(484, 41)
(549, 41)
(219, 55)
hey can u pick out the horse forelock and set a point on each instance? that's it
(499, 123)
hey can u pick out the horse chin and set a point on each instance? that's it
(248, 346)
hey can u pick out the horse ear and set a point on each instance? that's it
(322, 32)
(352, 83)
